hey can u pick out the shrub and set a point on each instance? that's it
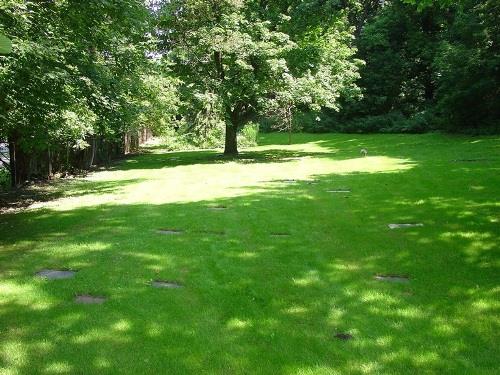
(4, 179)
(249, 134)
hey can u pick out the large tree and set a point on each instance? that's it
(239, 56)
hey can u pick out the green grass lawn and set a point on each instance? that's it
(254, 303)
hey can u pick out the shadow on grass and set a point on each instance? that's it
(421, 149)
(186, 158)
(253, 303)
(18, 199)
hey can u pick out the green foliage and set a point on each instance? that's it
(249, 135)
(94, 72)
(468, 67)
(431, 57)
(4, 178)
(188, 137)
(392, 122)
(80, 70)
(313, 122)
(423, 4)
(237, 61)
(5, 45)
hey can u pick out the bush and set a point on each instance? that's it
(4, 179)
(393, 122)
(248, 135)
(175, 141)
(183, 139)
(314, 122)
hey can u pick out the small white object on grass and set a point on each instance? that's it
(405, 225)
(364, 152)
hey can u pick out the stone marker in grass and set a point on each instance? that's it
(213, 232)
(56, 274)
(87, 299)
(165, 284)
(471, 160)
(170, 231)
(393, 278)
(405, 225)
(343, 336)
(217, 208)
(280, 234)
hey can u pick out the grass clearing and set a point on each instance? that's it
(251, 301)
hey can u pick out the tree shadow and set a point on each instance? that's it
(182, 158)
(15, 200)
(274, 149)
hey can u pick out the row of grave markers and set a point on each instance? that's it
(55, 274)
(61, 274)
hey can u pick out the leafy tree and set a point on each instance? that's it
(79, 73)
(468, 95)
(399, 46)
(229, 55)
(428, 64)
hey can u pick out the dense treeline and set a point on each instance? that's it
(86, 81)
(77, 84)
(433, 65)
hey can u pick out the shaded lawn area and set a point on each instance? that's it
(252, 302)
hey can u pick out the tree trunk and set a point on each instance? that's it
(12, 163)
(49, 165)
(67, 157)
(231, 143)
(429, 87)
(18, 171)
(93, 152)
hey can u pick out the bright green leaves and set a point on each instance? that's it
(422, 4)
(5, 45)
(80, 70)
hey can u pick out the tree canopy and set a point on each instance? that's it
(79, 79)
(239, 60)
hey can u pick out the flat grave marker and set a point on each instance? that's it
(405, 225)
(56, 274)
(472, 160)
(217, 208)
(280, 234)
(165, 284)
(393, 278)
(214, 232)
(168, 231)
(87, 299)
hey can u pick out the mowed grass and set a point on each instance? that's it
(253, 303)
